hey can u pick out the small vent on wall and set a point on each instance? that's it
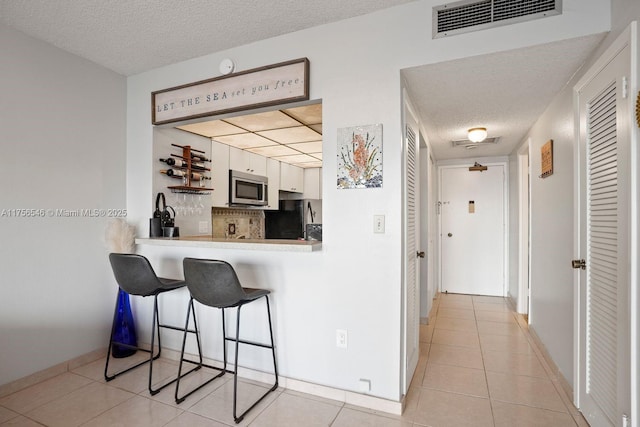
(474, 15)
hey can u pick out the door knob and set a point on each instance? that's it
(579, 263)
(450, 234)
(420, 254)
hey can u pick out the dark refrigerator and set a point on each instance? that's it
(285, 223)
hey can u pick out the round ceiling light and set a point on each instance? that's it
(477, 134)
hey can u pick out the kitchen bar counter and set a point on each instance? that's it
(273, 245)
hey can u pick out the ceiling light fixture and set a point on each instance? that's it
(477, 134)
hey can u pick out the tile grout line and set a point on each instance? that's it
(484, 367)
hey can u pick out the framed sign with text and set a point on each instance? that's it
(547, 159)
(260, 87)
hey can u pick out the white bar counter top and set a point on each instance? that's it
(273, 245)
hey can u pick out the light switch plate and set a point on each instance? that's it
(378, 223)
(342, 339)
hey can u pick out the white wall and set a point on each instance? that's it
(551, 315)
(357, 278)
(62, 126)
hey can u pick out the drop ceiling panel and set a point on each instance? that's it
(316, 164)
(298, 158)
(263, 121)
(274, 151)
(244, 140)
(279, 134)
(317, 128)
(212, 128)
(291, 135)
(308, 114)
(308, 147)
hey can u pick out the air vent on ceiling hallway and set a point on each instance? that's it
(470, 144)
(474, 15)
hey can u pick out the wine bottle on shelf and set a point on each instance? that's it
(181, 163)
(199, 157)
(195, 176)
(174, 173)
(175, 162)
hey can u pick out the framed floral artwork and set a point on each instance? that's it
(360, 157)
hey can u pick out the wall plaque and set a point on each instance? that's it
(547, 159)
(260, 87)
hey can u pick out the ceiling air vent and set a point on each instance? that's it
(470, 144)
(474, 15)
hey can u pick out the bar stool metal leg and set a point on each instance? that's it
(179, 399)
(155, 330)
(152, 357)
(239, 418)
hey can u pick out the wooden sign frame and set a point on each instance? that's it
(546, 164)
(260, 87)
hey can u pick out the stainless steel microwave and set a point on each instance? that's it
(247, 189)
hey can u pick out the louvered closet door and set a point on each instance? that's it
(411, 298)
(605, 347)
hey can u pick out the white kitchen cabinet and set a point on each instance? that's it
(248, 162)
(312, 183)
(220, 174)
(273, 173)
(291, 178)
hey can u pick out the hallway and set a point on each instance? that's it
(479, 367)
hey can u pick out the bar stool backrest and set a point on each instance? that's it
(134, 274)
(212, 282)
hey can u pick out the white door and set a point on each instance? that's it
(472, 231)
(411, 297)
(604, 167)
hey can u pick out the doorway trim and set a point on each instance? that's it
(628, 37)
(524, 256)
(486, 161)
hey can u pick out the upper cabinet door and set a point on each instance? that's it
(273, 173)
(220, 174)
(291, 178)
(245, 161)
(312, 183)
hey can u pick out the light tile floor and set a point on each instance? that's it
(477, 367)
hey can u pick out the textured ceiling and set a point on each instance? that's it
(133, 36)
(505, 92)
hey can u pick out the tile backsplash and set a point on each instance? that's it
(229, 223)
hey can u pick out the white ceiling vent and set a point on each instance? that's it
(470, 144)
(473, 15)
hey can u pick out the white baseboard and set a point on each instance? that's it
(348, 397)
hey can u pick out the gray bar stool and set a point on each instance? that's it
(135, 276)
(215, 284)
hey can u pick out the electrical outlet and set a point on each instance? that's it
(364, 386)
(378, 223)
(341, 338)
